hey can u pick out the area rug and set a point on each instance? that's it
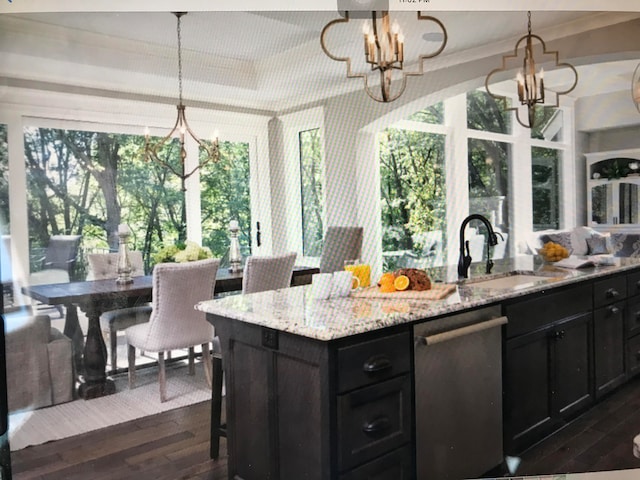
(81, 416)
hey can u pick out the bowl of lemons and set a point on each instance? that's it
(553, 252)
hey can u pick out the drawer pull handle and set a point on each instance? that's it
(614, 310)
(612, 293)
(558, 334)
(638, 284)
(638, 355)
(377, 426)
(377, 364)
(637, 316)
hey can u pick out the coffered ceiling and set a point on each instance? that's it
(257, 61)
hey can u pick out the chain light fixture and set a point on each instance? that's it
(179, 130)
(384, 52)
(530, 83)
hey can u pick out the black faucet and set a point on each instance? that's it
(465, 258)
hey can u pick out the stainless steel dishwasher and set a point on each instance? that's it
(458, 389)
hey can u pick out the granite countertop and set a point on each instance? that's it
(294, 310)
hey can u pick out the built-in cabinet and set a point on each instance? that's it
(304, 409)
(548, 372)
(564, 350)
(613, 189)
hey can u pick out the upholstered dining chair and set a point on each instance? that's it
(104, 266)
(58, 263)
(268, 272)
(174, 322)
(340, 244)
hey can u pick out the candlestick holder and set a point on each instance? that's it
(235, 255)
(124, 264)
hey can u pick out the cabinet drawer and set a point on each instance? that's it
(633, 317)
(396, 465)
(546, 308)
(633, 284)
(609, 290)
(373, 420)
(373, 361)
(633, 355)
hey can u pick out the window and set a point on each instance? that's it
(312, 204)
(412, 190)
(225, 195)
(545, 188)
(487, 114)
(4, 180)
(87, 183)
(489, 186)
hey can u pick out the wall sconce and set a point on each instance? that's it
(530, 83)
(384, 51)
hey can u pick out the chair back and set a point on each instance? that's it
(62, 253)
(105, 265)
(177, 288)
(340, 244)
(268, 273)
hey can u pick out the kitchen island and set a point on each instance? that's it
(329, 389)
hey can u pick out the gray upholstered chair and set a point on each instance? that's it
(268, 273)
(62, 253)
(174, 322)
(105, 266)
(340, 244)
(39, 362)
(58, 263)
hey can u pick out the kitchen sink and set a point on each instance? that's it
(514, 280)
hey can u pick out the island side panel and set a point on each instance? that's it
(278, 419)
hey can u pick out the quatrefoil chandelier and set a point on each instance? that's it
(179, 131)
(635, 87)
(530, 83)
(384, 52)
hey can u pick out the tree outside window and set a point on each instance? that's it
(311, 191)
(412, 183)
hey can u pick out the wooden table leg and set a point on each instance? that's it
(73, 331)
(94, 383)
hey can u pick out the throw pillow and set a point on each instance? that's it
(625, 245)
(579, 237)
(597, 245)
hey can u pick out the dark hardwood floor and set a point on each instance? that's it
(175, 445)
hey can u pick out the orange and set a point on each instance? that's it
(387, 287)
(386, 278)
(401, 282)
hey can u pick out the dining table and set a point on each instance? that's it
(95, 297)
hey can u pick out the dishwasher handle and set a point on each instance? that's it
(459, 332)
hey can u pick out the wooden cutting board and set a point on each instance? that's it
(438, 292)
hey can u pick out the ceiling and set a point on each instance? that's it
(258, 61)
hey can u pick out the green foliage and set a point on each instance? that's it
(311, 189)
(412, 186)
(182, 252)
(4, 180)
(487, 114)
(90, 182)
(225, 196)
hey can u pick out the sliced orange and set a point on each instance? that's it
(401, 282)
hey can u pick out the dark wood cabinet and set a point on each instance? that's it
(344, 407)
(632, 326)
(609, 347)
(547, 380)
